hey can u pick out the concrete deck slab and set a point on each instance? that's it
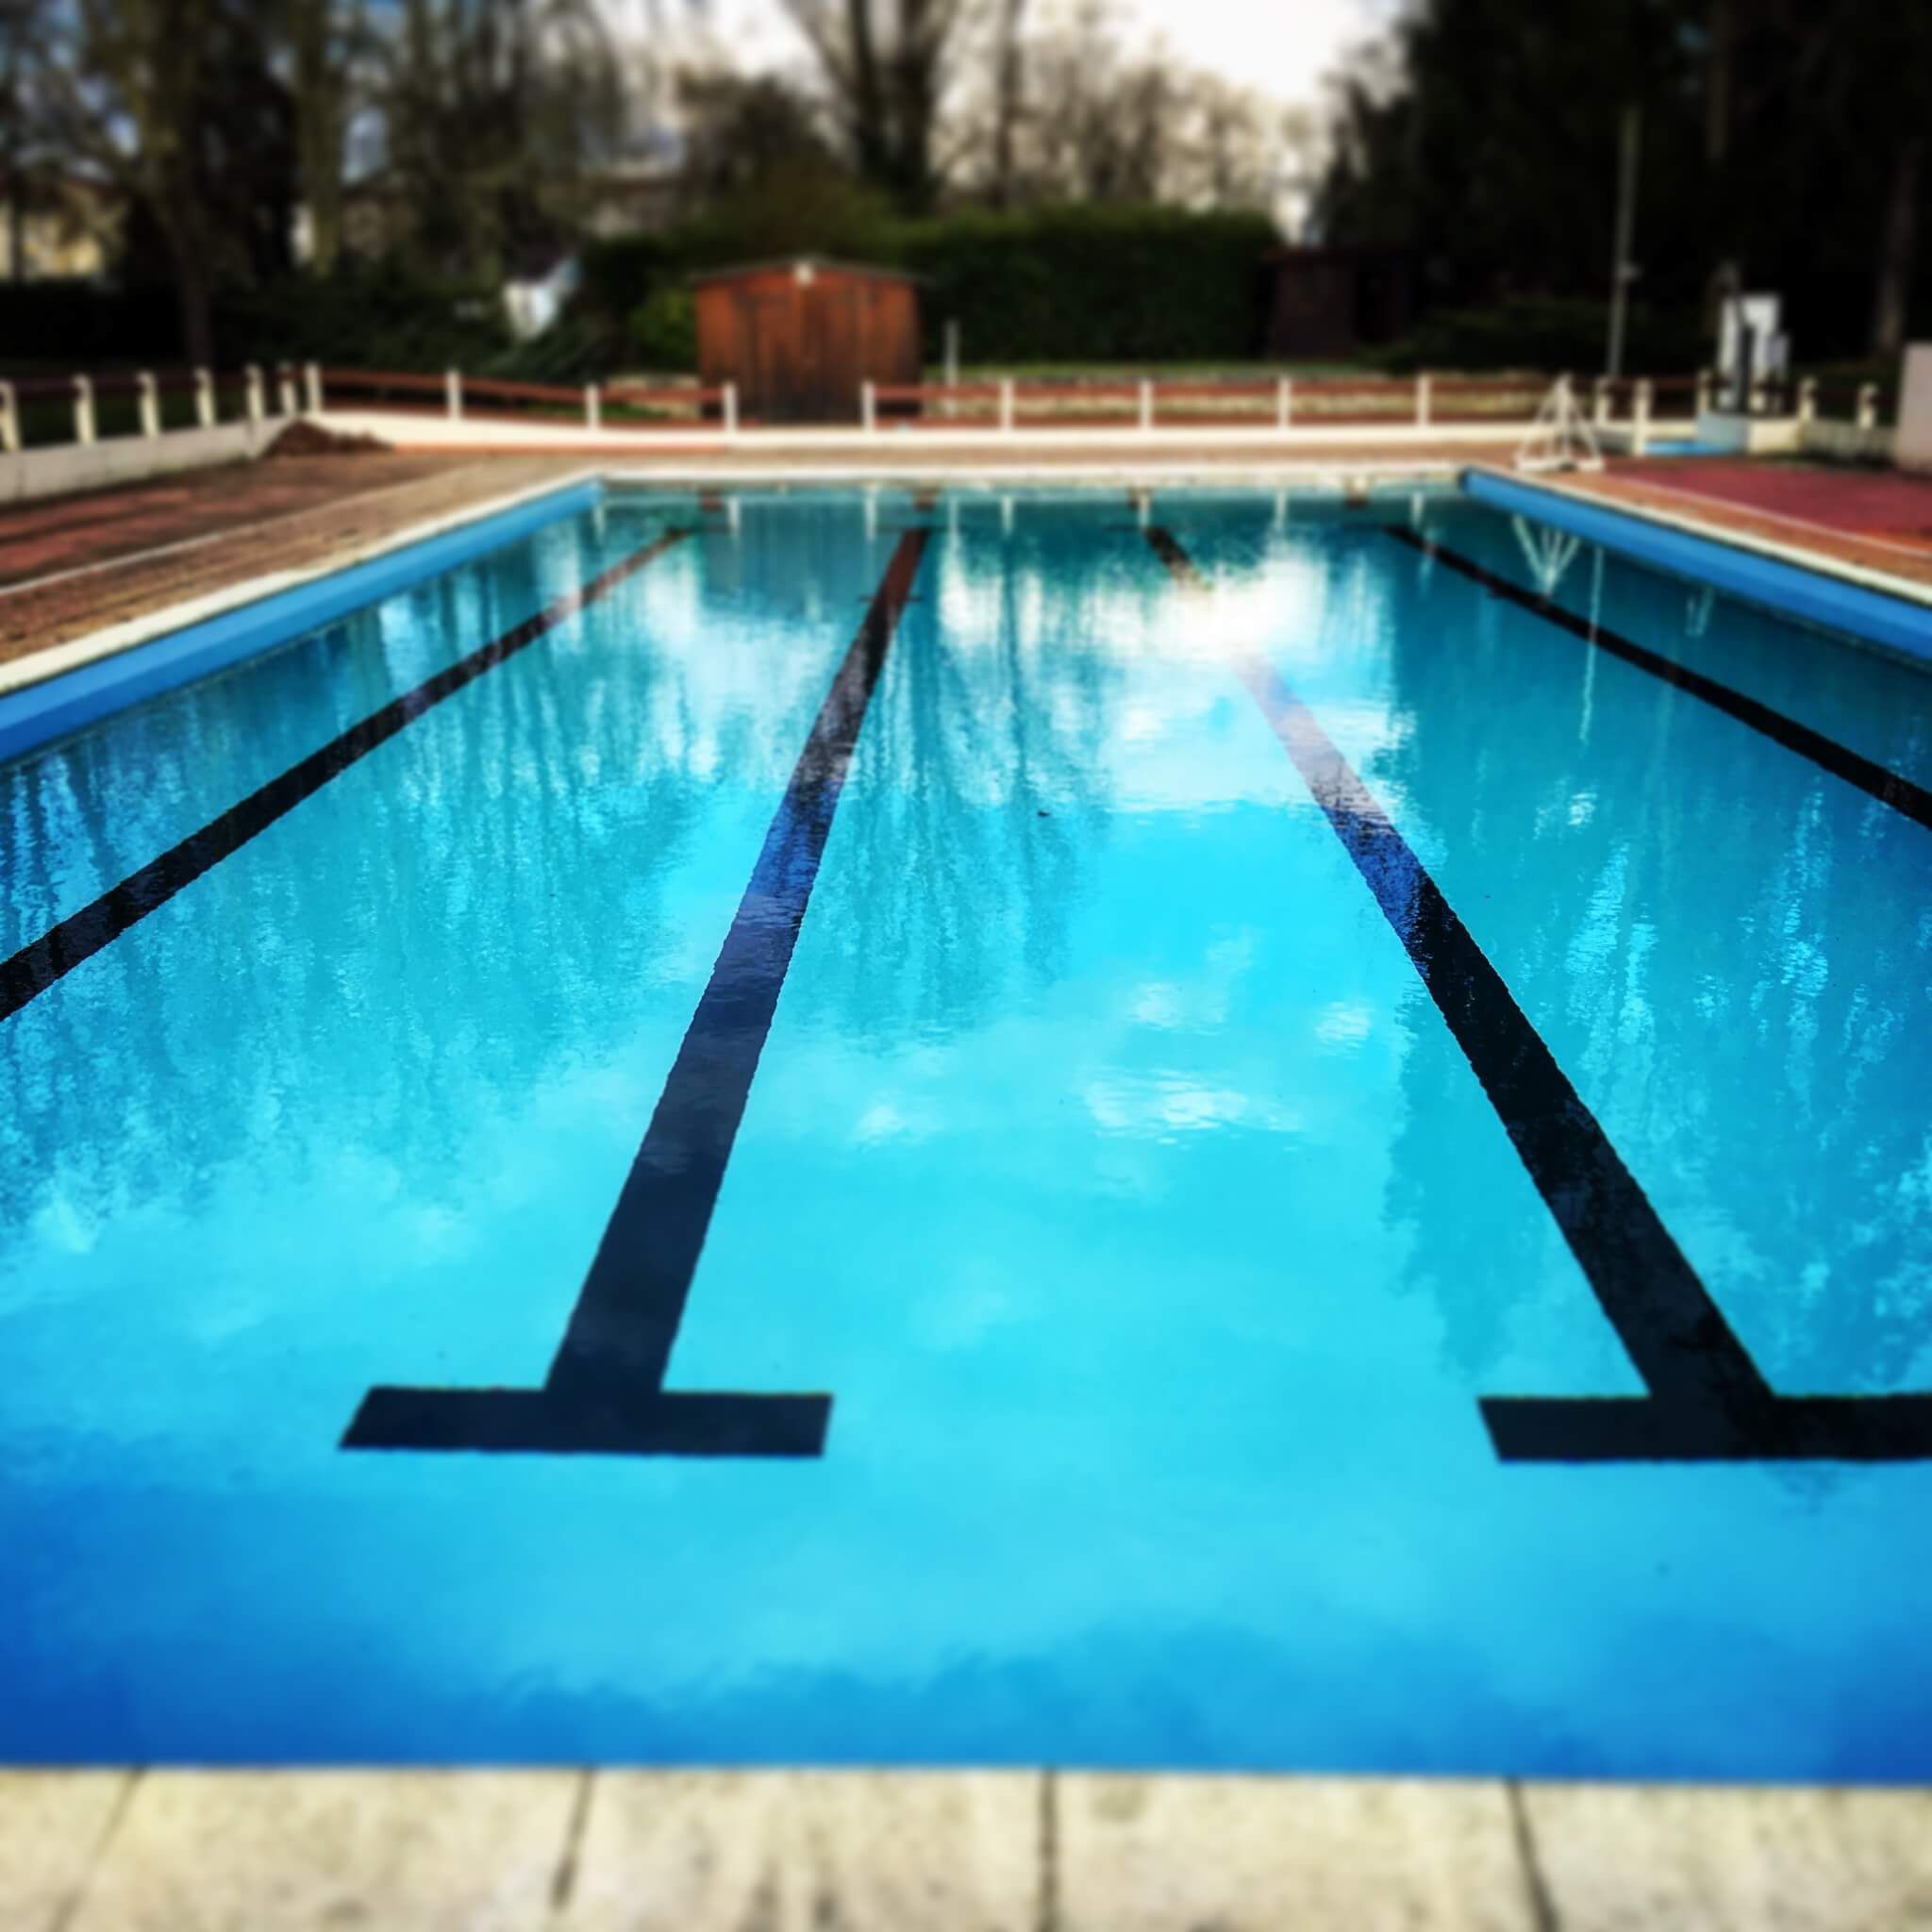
(324, 1851)
(791, 1852)
(593, 1851)
(1623, 1860)
(52, 1828)
(1265, 1854)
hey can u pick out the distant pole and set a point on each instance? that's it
(1622, 270)
(951, 354)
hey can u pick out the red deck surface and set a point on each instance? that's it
(41, 537)
(1872, 503)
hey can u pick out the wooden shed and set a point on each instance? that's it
(799, 337)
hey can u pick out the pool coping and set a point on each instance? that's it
(1812, 585)
(1026, 1850)
(48, 694)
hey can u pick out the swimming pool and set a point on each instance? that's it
(1223, 1130)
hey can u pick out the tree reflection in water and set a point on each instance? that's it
(1708, 932)
(983, 774)
(429, 939)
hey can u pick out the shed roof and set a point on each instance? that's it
(818, 264)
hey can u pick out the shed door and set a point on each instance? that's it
(770, 335)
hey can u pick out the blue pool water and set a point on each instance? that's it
(1213, 1007)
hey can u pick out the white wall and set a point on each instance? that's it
(67, 466)
(1847, 441)
(1913, 448)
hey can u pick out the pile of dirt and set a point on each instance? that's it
(307, 440)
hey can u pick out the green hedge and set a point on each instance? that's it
(1545, 335)
(77, 325)
(380, 317)
(1101, 284)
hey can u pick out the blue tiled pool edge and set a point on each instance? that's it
(1791, 588)
(36, 713)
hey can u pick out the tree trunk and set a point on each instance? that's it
(187, 248)
(914, 64)
(1006, 102)
(1897, 239)
(319, 133)
(874, 152)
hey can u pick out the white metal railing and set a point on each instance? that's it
(1427, 404)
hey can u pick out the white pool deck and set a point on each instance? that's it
(566, 1851)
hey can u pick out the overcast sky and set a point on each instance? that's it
(1280, 47)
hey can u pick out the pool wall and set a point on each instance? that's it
(97, 685)
(1791, 588)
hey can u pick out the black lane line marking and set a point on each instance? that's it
(1886, 786)
(605, 1394)
(78, 937)
(1706, 1399)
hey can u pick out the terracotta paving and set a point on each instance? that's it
(114, 555)
(1878, 520)
(65, 532)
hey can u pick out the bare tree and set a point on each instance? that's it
(326, 38)
(887, 74)
(121, 89)
(1007, 100)
(494, 113)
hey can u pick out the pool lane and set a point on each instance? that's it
(1888, 787)
(42, 962)
(604, 1392)
(1722, 945)
(1706, 1399)
(1871, 703)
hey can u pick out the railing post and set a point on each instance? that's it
(284, 388)
(252, 379)
(1146, 404)
(1703, 382)
(731, 409)
(1867, 406)
(1808, 399)
(204, 398)
(869, 406)
(1284, 402)
(453, 393)
(1602, 401)
(593, 407)
(1422, 402)
(148, 403)
(1007, 404)
(1639, 418)
(311, 377)
(10, 421)
(83, 409)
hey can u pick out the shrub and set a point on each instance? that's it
(576, 348)
(1545, 334)
(380, 316)
(664, 330)
(615, 276)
